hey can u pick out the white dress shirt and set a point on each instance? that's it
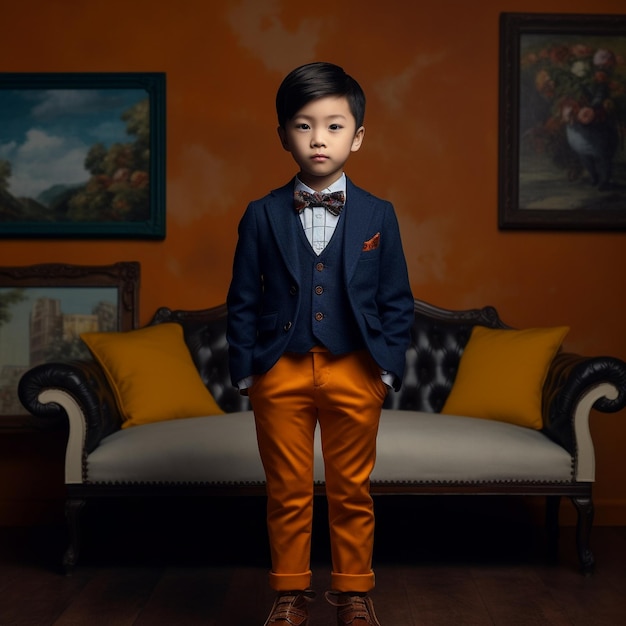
(319, 224)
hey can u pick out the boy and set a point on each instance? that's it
(319, 316)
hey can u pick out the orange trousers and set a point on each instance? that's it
(344, 394)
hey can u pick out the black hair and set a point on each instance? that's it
(317, 80)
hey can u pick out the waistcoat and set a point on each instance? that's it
(325, 316)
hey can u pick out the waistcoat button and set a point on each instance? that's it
(319, 317)
(319, 267)
(319, 290)
(287, 326)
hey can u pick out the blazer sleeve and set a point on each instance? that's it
(244, 298)
(395, 299)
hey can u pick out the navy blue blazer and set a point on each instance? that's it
(264, 294)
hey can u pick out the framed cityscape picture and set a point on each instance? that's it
(43, 311)
(82, 155)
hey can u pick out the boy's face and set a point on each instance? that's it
(320, 137)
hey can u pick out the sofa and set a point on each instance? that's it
(484, 409)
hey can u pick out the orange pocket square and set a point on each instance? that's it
(372, 244)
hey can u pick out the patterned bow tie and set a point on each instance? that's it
(332, 202)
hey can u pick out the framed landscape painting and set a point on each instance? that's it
(562, 121)
(43, 311)
(82, 155)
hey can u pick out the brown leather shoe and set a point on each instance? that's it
(353, 609)
(291, 609)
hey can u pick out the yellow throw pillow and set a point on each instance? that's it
(152, 374)
(501, 374)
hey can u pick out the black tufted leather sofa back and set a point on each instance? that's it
(438, 338)
(432, 361)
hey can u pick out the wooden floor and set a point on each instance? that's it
(438, 561)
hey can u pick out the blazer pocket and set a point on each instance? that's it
(371, 244)
(267, 323)
(373, 322)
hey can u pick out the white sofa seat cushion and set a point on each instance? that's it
(412, 447)
(432, 447)
(213, 449)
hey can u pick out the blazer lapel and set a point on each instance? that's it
(281, 219)
(360, 206)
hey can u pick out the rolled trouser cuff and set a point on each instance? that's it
(290, 582)
(362, 583)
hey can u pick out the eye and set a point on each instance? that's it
(302, 126)
(335, 127)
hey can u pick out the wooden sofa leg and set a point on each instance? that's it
(553, 504)
(585, 510)
(73, 507)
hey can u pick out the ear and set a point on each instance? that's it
(283, 138)
(358, 139)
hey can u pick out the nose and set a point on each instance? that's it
(317, 140)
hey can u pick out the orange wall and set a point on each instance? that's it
(430, 70)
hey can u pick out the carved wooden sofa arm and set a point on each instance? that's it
(574, 385)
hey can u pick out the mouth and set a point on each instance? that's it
(319, 157)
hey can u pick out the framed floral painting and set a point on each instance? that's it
(562, 157)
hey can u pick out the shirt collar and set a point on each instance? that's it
(338, 185)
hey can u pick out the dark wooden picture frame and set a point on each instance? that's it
(562, 122)
(82, 155)
(43, 308)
